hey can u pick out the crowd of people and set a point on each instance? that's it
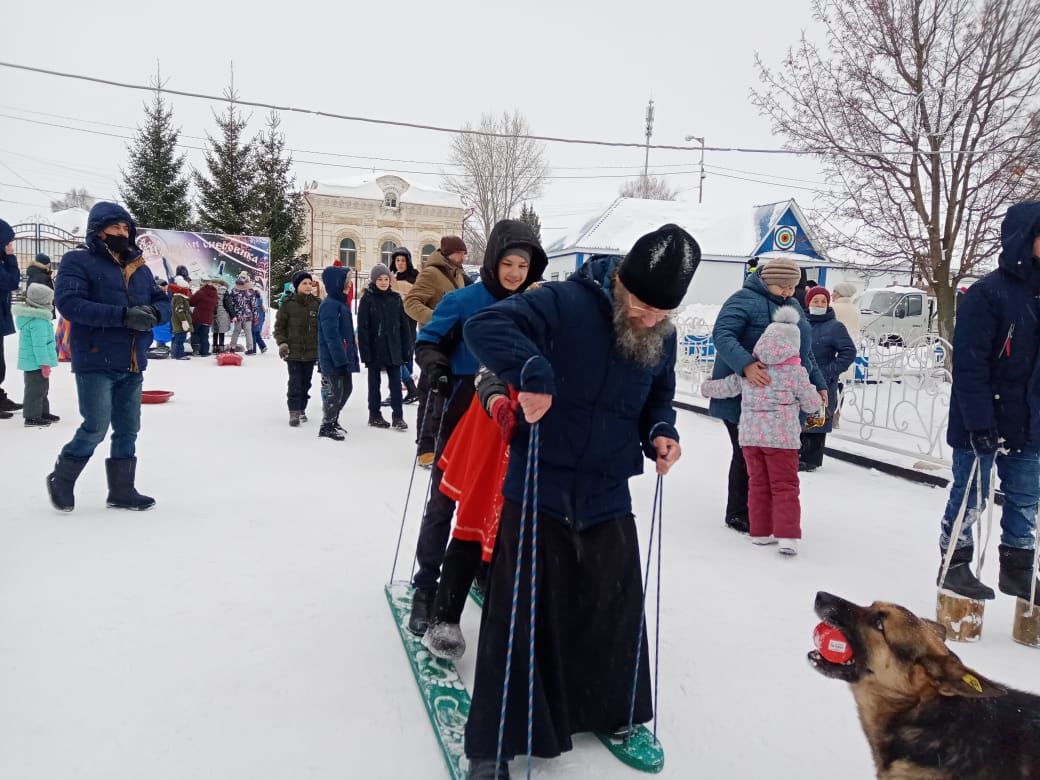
(575, 376)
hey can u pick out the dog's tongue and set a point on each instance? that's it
(832, 644)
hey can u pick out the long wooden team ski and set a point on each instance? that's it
(443, 694)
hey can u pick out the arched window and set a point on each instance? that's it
(348, 252)
(427, 250)
(386, 253)
(390, 201)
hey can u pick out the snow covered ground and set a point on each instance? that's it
(239, 630)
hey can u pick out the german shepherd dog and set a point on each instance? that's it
(926, 715)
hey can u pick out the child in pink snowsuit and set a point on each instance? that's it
(770, 430)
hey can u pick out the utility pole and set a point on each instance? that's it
(649, 134)
(700, 184)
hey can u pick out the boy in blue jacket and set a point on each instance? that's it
(337, 350)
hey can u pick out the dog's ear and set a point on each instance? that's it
(937, 628)
(952, 678)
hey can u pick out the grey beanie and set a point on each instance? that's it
(378, 270)
(39, 295)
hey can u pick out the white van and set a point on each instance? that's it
(895, 316)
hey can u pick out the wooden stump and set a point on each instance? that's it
(1026, 630)
(961, 617)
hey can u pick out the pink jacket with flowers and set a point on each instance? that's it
(769, 415)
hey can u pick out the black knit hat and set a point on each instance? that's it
(298, 277)
(660, 266)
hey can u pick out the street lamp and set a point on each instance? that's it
(700, 185)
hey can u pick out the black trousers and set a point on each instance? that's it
(301, 374)
(812, 449)
(436, 521)
(339, 387)
(461, 563)
(589, 622)
(431, 407)
(200, 340)
(375, 376)
(736, 501)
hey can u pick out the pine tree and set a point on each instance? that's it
(155, 187)
(280, 212)
(227, 199)
(528, 215)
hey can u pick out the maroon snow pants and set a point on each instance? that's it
(773, 506)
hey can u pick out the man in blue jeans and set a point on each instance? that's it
(995, 409)
(109, 296)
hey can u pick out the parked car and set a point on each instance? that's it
(895, 316)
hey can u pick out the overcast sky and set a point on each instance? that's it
(579, 70)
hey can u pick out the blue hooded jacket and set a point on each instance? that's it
(742, 320)
(337, 344)
(10, 277)
(94, 290)
(606, 410)
(996, 371)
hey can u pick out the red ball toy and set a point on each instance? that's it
(832, 644)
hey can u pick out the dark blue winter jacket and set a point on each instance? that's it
(337, 345)
(834, 351)
(996, 370)
(94, 290)
(606, 410)
(10, 277)
(743, 318)
(445, 327)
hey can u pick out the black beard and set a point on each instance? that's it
(644, 347)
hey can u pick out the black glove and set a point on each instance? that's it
(440, 381)
(141, 317)
(984, 442)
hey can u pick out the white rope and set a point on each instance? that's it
(958, 524)
(989, 511)
(1036, 570)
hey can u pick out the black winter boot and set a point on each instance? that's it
(739, 523)
(121, 491)
(413, 392)
(422, 609)
(1016, 573)
(7, 405)
(62, 480)
(376, 420)
(294, 419)
(399, 424)
(485, 769)
(330, 431)
(960, 579)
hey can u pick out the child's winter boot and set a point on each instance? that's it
(330, 431)
(1016, 572)
(62, 480)
(121, 491)
(961, 579)
(376, 420)
(294, 419)
(413, 392)
(445, 640)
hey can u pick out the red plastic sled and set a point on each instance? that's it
(229, 359)
(156, 396)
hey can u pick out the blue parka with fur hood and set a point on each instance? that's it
(94, 290)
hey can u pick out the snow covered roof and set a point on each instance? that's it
(73, 220)
(617, 228)
(375, 186)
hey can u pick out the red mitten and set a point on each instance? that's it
(46, 371)
(503, 411)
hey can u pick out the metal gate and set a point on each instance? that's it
(32, 238)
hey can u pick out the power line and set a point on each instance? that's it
(468, 131)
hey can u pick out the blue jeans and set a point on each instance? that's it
(258, 340)
(178, 344)
(1019, 473)
(107, 398)
(406, 371)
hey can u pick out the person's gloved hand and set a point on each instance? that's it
(984, 442)
(440, 381)
(503, 412)
(141, 317)
(283, 350)
(46, 371)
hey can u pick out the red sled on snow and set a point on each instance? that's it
(229, 359)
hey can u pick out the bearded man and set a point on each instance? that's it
(593, 359)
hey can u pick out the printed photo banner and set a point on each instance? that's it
(206, 255)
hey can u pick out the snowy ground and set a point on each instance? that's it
(239, 630)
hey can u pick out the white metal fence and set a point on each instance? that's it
(899, 401)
